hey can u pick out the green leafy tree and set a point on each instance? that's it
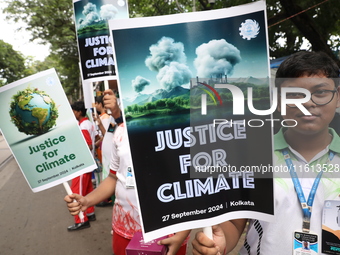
(315, 20)
(129, 108)
(34, 66)
(12, 64)
(145, 8)
(289, 21)
(160, 103)
(170, 103)
(135, 108)
(148, 106)
(51, 22)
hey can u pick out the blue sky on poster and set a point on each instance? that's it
(133, 50)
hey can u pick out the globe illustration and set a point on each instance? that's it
(33, 112)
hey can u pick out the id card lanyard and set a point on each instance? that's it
(305, 205)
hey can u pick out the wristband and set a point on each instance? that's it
(119, 120)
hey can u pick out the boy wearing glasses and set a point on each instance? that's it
(311, 151)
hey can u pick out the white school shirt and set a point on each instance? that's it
(106, 146)
(125, 215)
(276, 237)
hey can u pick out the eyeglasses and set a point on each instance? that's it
(319, 97)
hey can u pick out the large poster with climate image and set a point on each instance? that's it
(183, 82)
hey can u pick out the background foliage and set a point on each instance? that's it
(51, 21)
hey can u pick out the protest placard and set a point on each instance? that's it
(199, 158)
(42, 132)
(94, 44)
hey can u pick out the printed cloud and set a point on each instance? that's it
(215, 58)
(173, 75)
(169, 60)
(165, 51)
(90, 7)
(108, 11)
(91, 16)
(139, 83)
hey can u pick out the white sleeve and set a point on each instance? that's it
(114, 161)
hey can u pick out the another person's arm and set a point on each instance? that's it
(110, 102)
(225, 237)
(100, 124)
(174, 242)
(106, 189)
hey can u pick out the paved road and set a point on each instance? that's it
(35, 223)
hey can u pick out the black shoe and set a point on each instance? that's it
(91, 217)
(79, 226)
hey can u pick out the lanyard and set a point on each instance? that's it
(305, 205)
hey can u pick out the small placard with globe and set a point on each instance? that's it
(33, 111)
(42, 132)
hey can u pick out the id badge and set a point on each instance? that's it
(331, 227)
(130, 181)
(111, 128)
(305, 243)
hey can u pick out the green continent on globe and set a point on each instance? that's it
(41, 114)
(33, 112)
(23, 101)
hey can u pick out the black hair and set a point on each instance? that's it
(79, 106)
(99, 100)
(307, 63)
